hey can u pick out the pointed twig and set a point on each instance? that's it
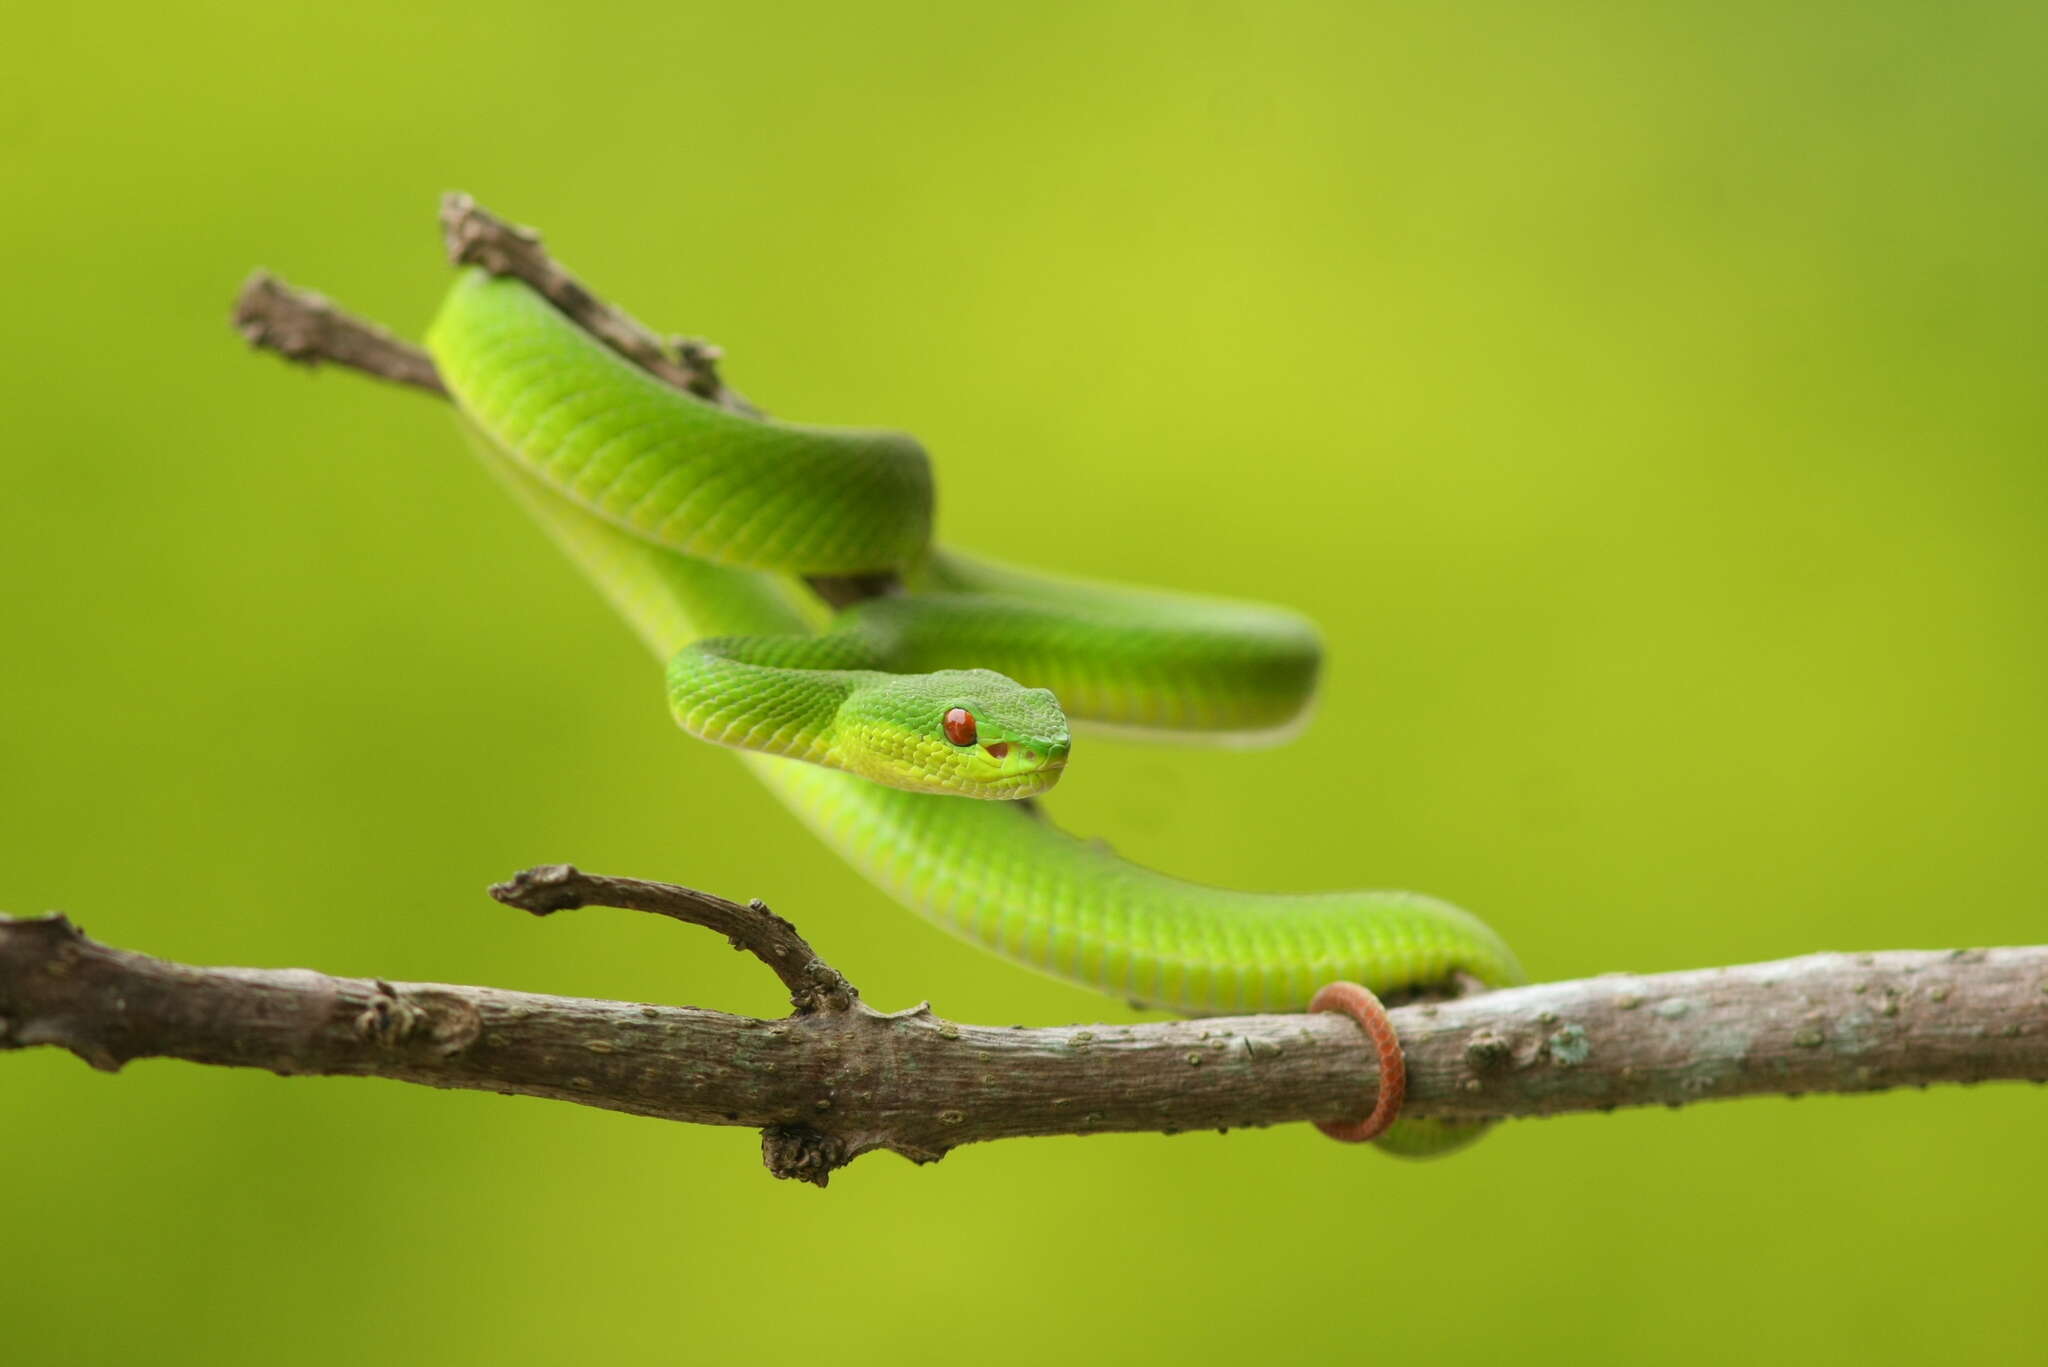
(303, 326)
(477, 237)
(813, 984)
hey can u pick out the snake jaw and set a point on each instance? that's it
(1012, 769)
(1015, 768)
(1036, 767)
(1024, 773)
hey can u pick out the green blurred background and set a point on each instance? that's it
(1646, 399)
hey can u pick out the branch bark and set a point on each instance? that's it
(304, 327)
(837, 1078)
(477, 237)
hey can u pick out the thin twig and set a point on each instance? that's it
(828, 1085)
(813, 984)
(304, 327)
(477, 237)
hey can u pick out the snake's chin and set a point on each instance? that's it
(1023, 783)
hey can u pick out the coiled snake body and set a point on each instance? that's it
(695, 521)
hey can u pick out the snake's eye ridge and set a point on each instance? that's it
(959, 726)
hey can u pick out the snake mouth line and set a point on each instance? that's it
(1020, 778)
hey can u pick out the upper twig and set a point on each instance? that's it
(477, 237)
(303, 326)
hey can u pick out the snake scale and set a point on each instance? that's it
(880, 727)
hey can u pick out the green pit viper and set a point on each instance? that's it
(697, 521)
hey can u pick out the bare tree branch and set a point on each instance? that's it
(813, 984)
(303, 326)
(839, 1079)
(477, 237)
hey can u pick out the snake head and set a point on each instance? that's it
(965, 732)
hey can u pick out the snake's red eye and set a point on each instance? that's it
(959, 726)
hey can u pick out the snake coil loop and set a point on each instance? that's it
(877, 725)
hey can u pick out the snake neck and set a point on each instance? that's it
(778, 695)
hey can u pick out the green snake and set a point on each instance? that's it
(880, 725)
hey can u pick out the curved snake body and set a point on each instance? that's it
(621, 470)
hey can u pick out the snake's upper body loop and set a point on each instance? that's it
(695, 522)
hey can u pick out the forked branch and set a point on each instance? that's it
(837, 1078)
